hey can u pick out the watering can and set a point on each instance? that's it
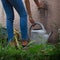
(39, 36)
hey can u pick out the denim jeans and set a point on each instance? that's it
(8, 7)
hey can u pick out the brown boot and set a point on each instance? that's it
(24, 43)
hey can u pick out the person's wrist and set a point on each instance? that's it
(30, 18)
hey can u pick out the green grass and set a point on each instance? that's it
(34, 52)
(31, 52)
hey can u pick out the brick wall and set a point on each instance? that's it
(52, 22)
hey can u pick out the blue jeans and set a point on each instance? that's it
(8, 7)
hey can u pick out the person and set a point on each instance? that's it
(27, 3)
(8, 6)
(43, 11)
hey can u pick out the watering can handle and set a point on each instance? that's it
(40, 24)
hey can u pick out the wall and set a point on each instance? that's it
(51, 23)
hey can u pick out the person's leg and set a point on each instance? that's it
(18, 5)
(10, 17)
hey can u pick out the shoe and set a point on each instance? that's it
(24, 43)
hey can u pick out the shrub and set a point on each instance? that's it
(35, 52)
(31, 52)
(3, 35)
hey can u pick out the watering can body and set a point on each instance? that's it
(39, 36)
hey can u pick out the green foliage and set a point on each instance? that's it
(3, 35)
(58, 35)
(31, 52)
(34, 52)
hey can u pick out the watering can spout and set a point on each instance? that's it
(49, 35)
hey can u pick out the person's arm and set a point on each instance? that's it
(40, 4)
(37, 3)
(27, 3)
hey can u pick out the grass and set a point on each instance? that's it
(34, 52)
(31, 52)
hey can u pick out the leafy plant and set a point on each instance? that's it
(34, 52)
(31, 52)
(58, 35)
(3, 35)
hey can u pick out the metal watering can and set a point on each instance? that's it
(39, 36)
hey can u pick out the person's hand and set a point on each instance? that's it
(43, 5)
(31, 20)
